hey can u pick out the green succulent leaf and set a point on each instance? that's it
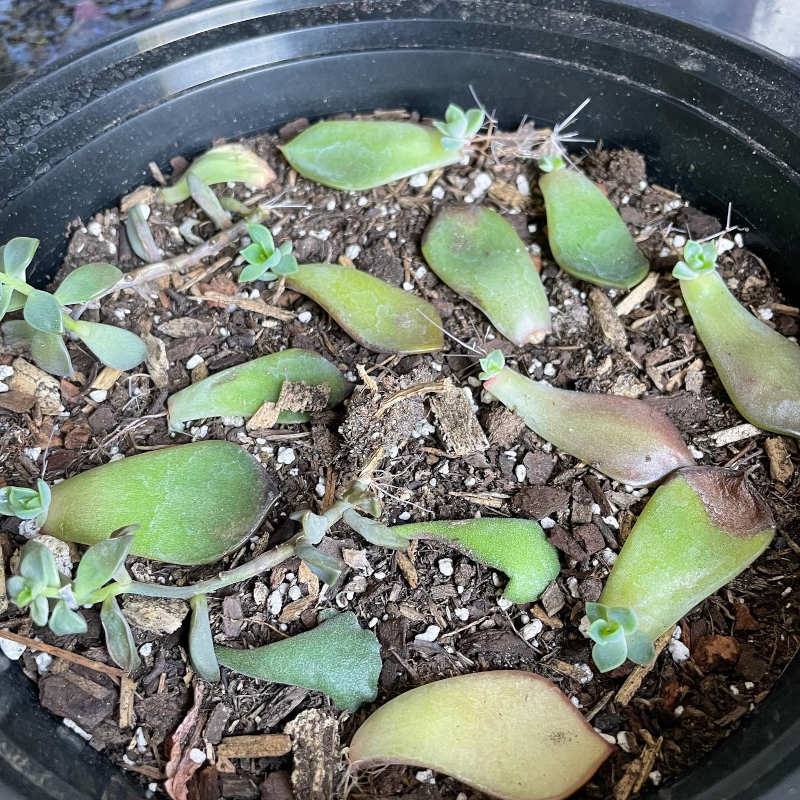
(603, 630)
(261, 236)
(119, 638)
(101, 562)
(86, 283)
(640, 648)
(624, 617)
(17, 254)
(140, 236)
(699, 258)
(43, 312)
(205, 197)
(287, 264)
(550, 163)
(450, 143)
(682, 271)
(40, 610)
(201, 642)
(6, 293)
(491, 364)
(50, 353)
(475, 118)
(254, 272)
(38, 565)
(596, 611)
(453, 114)
(14, 587)
(374, 532)
(314, 525)
(17, 333)
(325, 567)
(114, 347)
(610, 654)
(64, 620)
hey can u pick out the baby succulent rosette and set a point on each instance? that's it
(616, 634)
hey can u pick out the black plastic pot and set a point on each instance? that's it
(715, 117)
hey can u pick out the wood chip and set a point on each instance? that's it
(142, 194)
(610, 323)
(156, 361)
(265, 418)
(407, 567)
(577, 674)
(734, 434)
(315, 745)
(299, 396)
(636, 295)
(638, 770)
(457, 423)
(488, 499)
(127, 695)
(16, 401)
(368, 380)
(780, 463)
(634, 680)
(543, 616)
(264, 745)
(507, 195)
(309, 579)
(248, 304)
(293, 610)
(30, 380)
(106, 378)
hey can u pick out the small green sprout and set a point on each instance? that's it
(491, 364)
(18, 501)
(265, 262)
(45, 321)
(204, 196)
(140, 237)
(459, 126)
(698, 260)
(616, 634)
(550, 163)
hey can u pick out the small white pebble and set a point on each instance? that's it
(596, 509)
(738, 240)
(275, 602)
(43, 662)
(611, 522)
(408, 286)
(504, 603)
(404, 515)
(373, 622)
(98, 395)
(420, 273)
(295, 592)
(304, 317)
(319, 489)
(362, 201)
(431, 634)
(678, 710)
(6, 371)
(195, 361)
(520, 472)
(523, 185)
(379, 576)
(482, 183)
(286, 455)
(655, 777)
(446, 566)
(418, 180)
(94, 229)
(724, 244)
(352, 251)
(146, 649)
(765, 313)
(678, 240)
(197, 755)
(233, 422)
(531, 630)
(330, 205)
(696, 453)
(437, 193)
(33, 453)
(734, 690)
(608, 556)
(572, 585)
(462, 614)
(748, 685)
(3, 387)
(12, 650)
(75, 728)
(678, 650)
(425, 776)
(549, 370)
(470, 482)
(547, 523)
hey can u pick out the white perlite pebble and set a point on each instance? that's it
(547, 523)
(304, 317)
(286, 455)
(295, 593)
(446, 566)
(696, 452)
(260, 593)
(504, 603)
(233, 422)
(425, 776)
(146, 650)
(94, 229)
(3, 387)
(523, 185)
(197, 755)
(520, 472)
(678, 650)
(431, 634)
(98, 395)
(418, 180)
(352, 251)
(6, 371)
(43, 662)
(531, 630)
(462, 614)
(275, 602)
(195, 361)
(75, 728)
(437, 193)
(482, 183)
(12, 650)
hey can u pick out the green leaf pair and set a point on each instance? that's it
(616, 634)
(459, 126)
(18, 501)
(698, 259)
(265, 261)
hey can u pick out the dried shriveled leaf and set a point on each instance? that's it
(194, 502)
(518, 547)
(361, 154)
(337, 657)
(480, 256)
(699, 530)
(510, 734)
(587, 236)
(759, 368)
(376, 314)
(626, 439)
(243, 389)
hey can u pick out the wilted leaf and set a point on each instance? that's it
(204, 196)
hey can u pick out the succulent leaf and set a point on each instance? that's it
(49, 352)
(113, 346)
(204, 196)
(140, 236)
(374, 532)
(119, 637)
(64, 621)
(17, 254)
(43, 313)
(327, 568)
(201, 642)
(101, 562)
(38, 566)
(480, 256)
(550, 163)
(86, 283)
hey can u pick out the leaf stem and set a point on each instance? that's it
(15, 283)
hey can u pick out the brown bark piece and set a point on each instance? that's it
(30, 380)
(539, 502)
(16, 401)
(265, 418)
(715, 652)
(264, 745)
(634, 680)
(315, 744)
(156, 361)
(504, 427)
(127, 695)
(606, 315)
(458, 426)
(780, 464)
(231, 615)
(69, 694)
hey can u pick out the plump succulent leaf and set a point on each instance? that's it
(376, 314)
(509, 734)
(193, 502)
(113, 346)
(518, 547)
(587, 236)
(208, 201)
(17, 333)
(458, 126)
(699, 530)
(64, 621)
(43, 313)
(38, 566)
(226, 162)
(759, 368)
(243, 389)
(140, 237)
(50, 353)
(265, 261)
(480, 256)
(86, 283)
(315, 526)
(201, 642)
(360, 154)
(119, 637)
(491, 364)
(39, 610)
(17, 254)
(18, 501)
(373, 531)
(326, 567)
(626, 439)
(101, 562)
(337, 657)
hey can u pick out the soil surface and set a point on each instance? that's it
(726, 653)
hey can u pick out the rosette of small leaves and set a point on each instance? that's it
(616, 634)
(697, 260)
(550, 163)
(45, 321)
(18, 501)
(265, 261)
(491, 364)
(459, 126)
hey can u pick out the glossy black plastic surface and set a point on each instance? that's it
(717, 119)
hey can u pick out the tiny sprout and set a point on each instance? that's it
(698, 259)
(616, 634)
(550, 163)
(265, 261)
(491, 364)
(17, 501)
(45, 320)
(459, 126)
